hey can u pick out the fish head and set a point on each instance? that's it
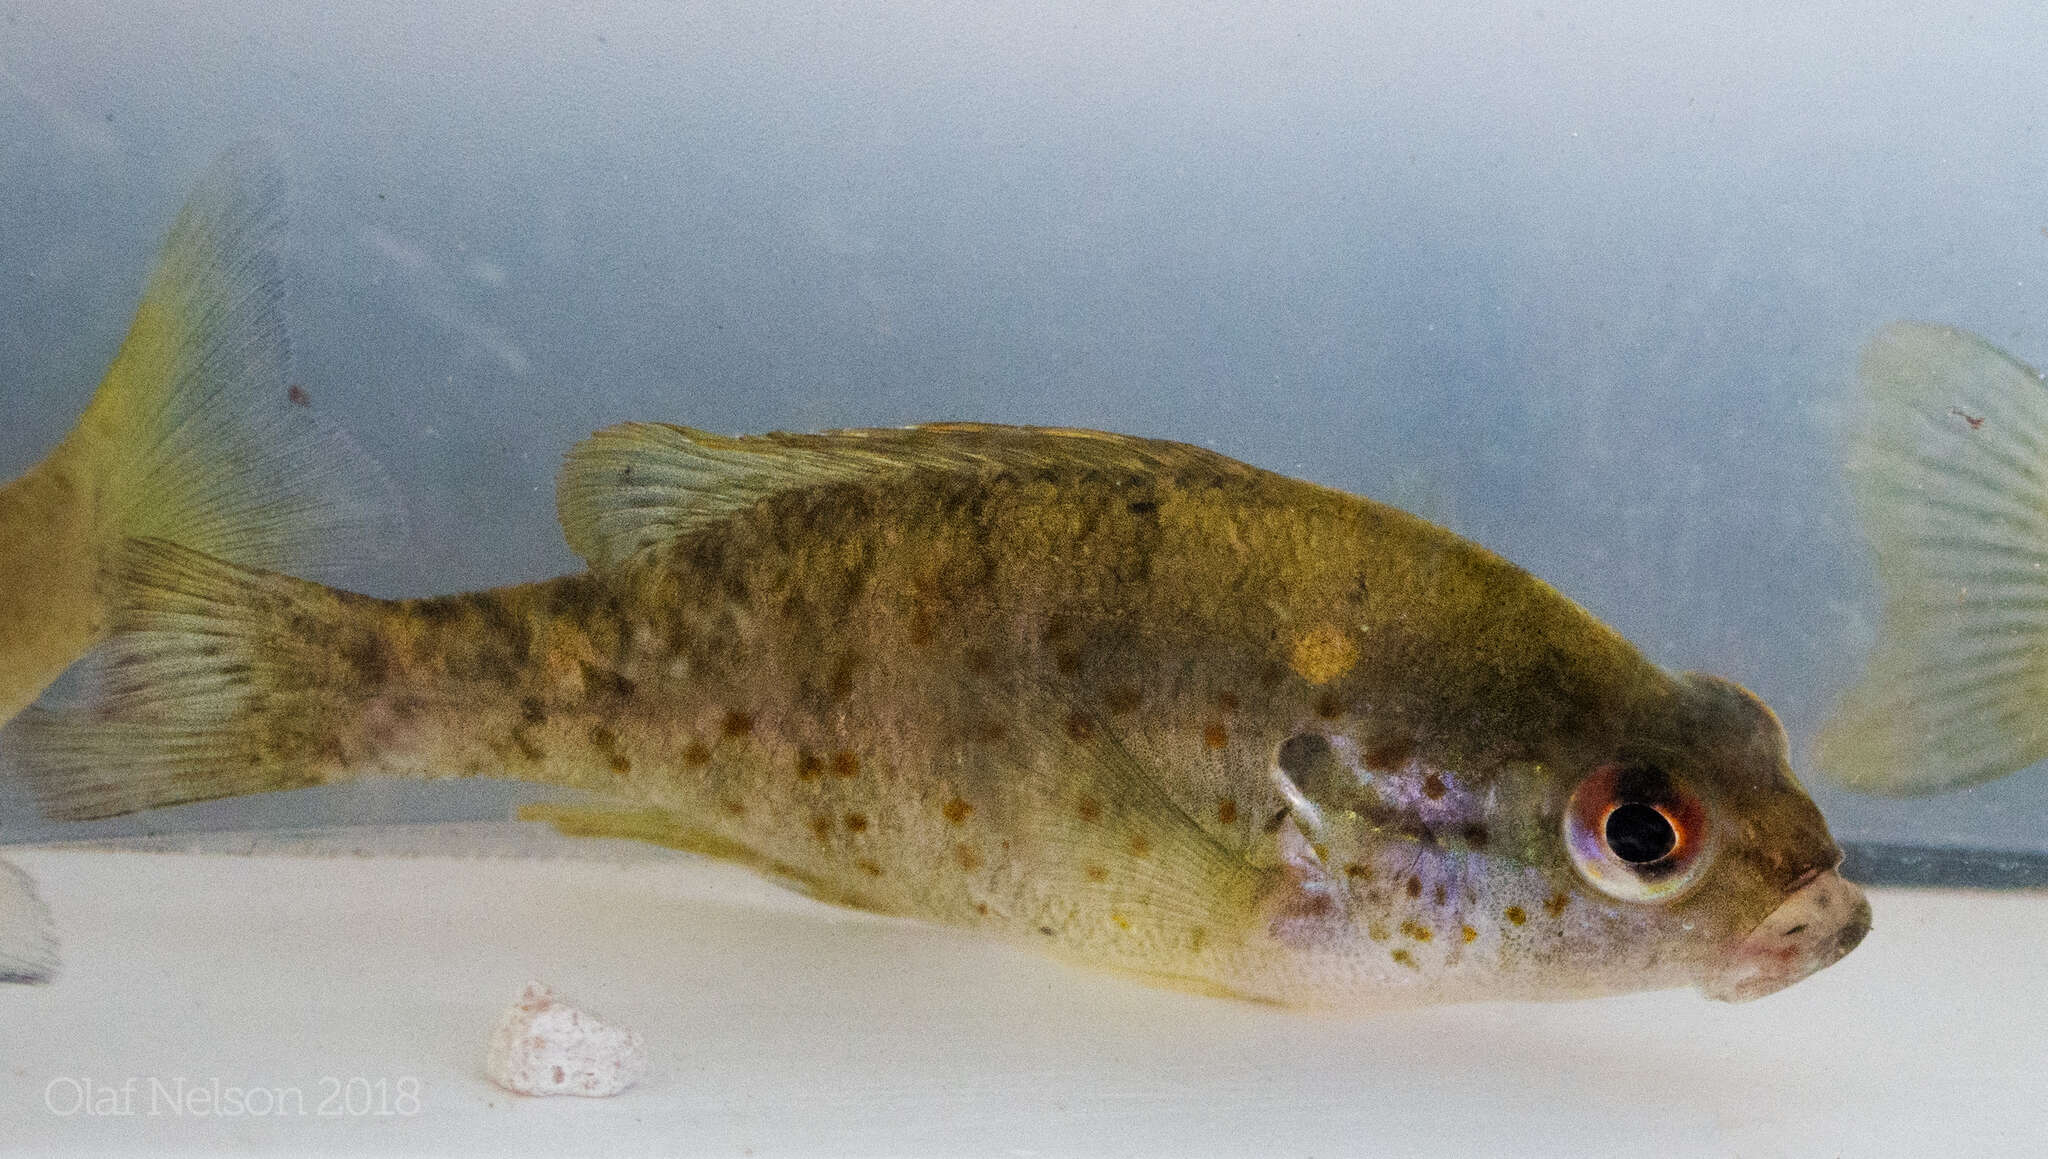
(1695, 832)
(1762, 880)
(1677, 851)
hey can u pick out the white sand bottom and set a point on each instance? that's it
(778, 1026)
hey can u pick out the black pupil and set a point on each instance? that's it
(1639, 834)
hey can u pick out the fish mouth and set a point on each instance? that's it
(1816, 926)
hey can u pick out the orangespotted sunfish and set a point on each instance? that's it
(1950, 468)
(194, 437)
(1130, 702)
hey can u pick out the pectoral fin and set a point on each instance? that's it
(1113, 854)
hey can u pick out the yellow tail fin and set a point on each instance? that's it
(217, 681)
(198, 436)
(1950, 466)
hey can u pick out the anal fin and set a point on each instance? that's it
(669, 830)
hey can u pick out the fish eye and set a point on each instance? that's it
(1636, 833)
(1640, 834)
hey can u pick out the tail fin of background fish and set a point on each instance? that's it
(1950, 468)
(196, 435)
(218, 681)
(199, 437)
(28, 944)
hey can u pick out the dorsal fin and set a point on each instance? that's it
(633, 485)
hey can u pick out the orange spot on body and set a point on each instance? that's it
(1358, 873)
(696, 755)
(1097, 873)
(981, 907)
(1226, 811)
(808, 764)
(1416, 930)
(845, 764)
(869, 866)
(857, 822)
(1215, 736)
(737, 724)
(1079, 727)
(1414, 887)
(1406, 959)
(1515, 915)
(1433, 787)
(957, 811)
(735, 809)
(1089, 809)
(298, 396)
(1468, 933)
(821, 828)
(1198, 938)
(1122, 922)
(968, 856)
(1122, 699)
(1555, 906)
(1141, 846)
(1323, 653)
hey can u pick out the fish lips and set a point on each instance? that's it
(1816, 925)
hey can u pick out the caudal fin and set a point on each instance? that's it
(218, 681)
(197, 433)
(1950, 468)
(28, 942)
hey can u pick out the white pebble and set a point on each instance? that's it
(544, 1046)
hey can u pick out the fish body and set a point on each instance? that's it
(193, 437)
(1948, 469)
(1131, 702)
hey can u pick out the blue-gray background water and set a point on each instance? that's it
(1583, 281)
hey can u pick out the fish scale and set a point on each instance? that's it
(1130, 702)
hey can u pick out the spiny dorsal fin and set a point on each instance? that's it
(637, 484)
(1950, 467)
